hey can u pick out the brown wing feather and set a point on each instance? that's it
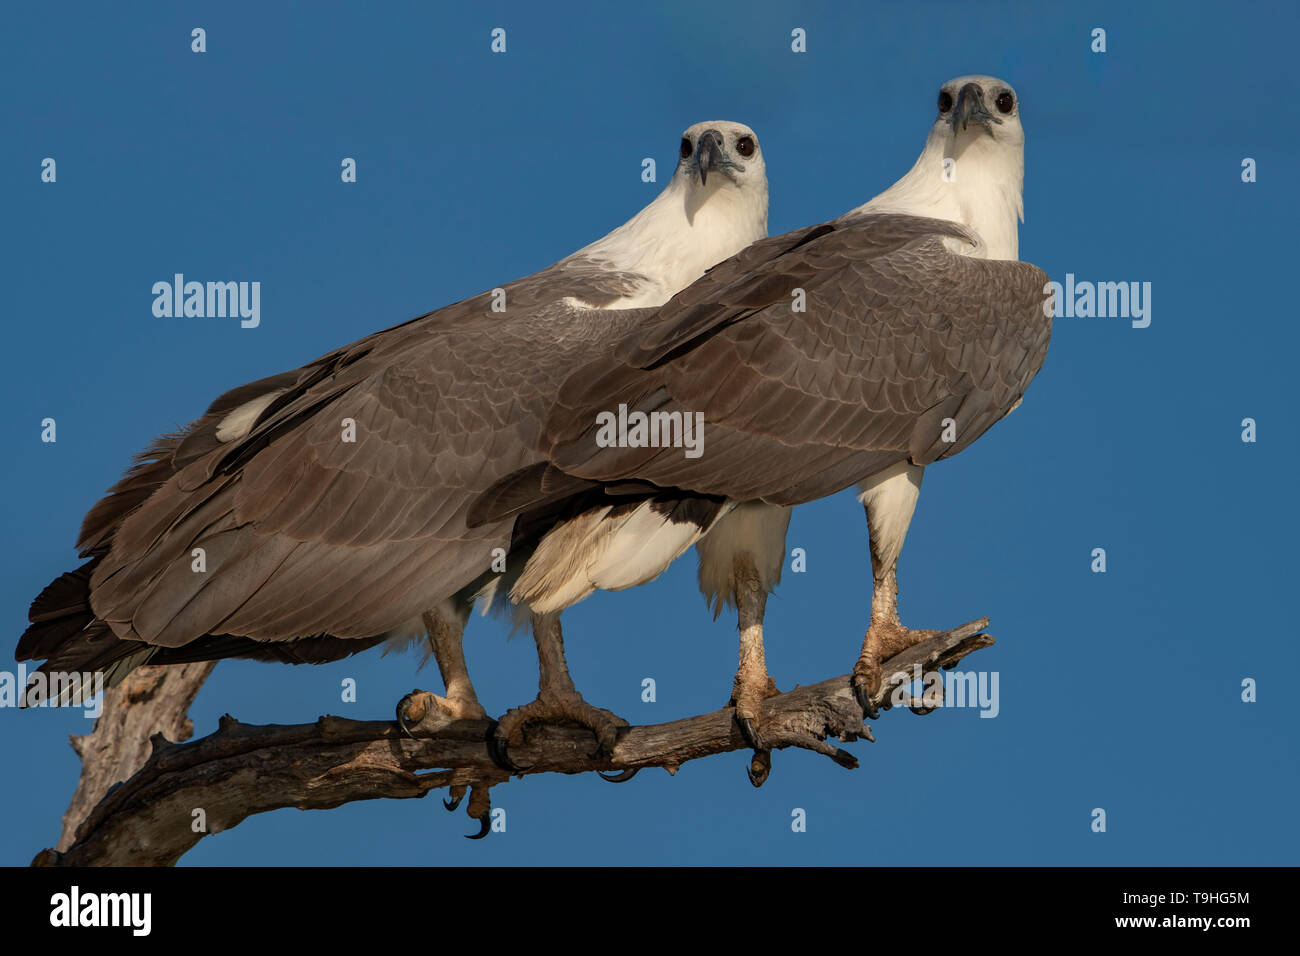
(309, 537)
(899, 333)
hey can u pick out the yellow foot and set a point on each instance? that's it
(554, 707)
(748, 699)
(428, 713)
(882, 641)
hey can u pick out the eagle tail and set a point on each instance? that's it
(83, 656)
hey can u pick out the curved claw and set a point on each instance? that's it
(749, 731)
(622, 777)
(485, 823)
(402, 706)
(602, 750)
(759, 767)
(499, 750)
(924, 709)
(869, 710)
(451, 805)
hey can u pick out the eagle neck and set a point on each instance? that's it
(683, 232)
(981, 186)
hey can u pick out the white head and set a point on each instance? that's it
(972, 169)
(728, 154)
(983, 113)
(714, 206)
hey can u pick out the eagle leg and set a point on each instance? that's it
(428, 713)
(753, 684)
(885, 637)
(889, 498)
(558, 701)
(446, 639)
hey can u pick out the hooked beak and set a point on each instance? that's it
(970, 109)
(708, 154)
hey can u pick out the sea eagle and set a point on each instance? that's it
(919, 330)
(330, 501)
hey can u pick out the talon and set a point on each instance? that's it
(419, 707)
(562, 707)
(606, 734)
(749, 730)
(920, 708)
(622, 777)
(451, 805)
(869, 710)
(867, 682)
(884, 639)
(760, 765)
(498, 749)
(485, 824)
(403, 709)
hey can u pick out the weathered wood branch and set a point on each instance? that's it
(244, 769)
(150, 700)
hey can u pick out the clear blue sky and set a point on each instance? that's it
(1118, 690)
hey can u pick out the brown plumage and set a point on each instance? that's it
(474, 430)
(309, 539)
(899, 333)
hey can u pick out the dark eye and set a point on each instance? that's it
(745, 146)
(686, 147)
(1005, 102)
(945, 101)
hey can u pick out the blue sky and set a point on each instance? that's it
(1119, 690)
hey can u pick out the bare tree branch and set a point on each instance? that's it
(151, 700)
(244, 769)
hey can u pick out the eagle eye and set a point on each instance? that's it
(1005, 102)
(686, 147)
(745, 146)
(945, 101)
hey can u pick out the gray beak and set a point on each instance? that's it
(708, 153)
(970, 109)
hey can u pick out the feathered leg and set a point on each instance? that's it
(422, 710)
(890, 500)
(753, 684)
